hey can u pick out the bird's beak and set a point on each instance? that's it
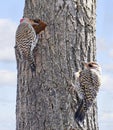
(85, 64)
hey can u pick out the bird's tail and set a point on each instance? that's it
(32, 63)
(33, 66)
(80, 113)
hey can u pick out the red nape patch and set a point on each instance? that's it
(21, 20)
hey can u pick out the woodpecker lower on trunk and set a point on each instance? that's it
(89, 82)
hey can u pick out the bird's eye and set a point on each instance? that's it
(35, 21)
(90, 65)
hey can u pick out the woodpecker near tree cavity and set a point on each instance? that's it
(89, 81)
(27, 38)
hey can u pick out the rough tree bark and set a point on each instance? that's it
(43, 99)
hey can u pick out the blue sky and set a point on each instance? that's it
(105, 57)
(11, 12)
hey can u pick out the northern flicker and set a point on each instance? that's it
(27, 38)
(89, 82)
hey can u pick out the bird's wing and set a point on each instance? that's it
(88, 87)
(26, 38)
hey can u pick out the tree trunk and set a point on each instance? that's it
(44, 101)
